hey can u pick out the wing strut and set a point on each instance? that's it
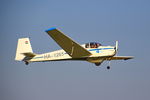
(72, 49)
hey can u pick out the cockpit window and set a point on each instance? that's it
(92, 45)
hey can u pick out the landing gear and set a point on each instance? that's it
(108, 67)
(26, 62)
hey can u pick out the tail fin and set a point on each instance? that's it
(23, 47)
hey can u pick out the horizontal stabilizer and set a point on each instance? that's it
(29, 54)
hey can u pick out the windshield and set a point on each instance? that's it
(92, 45)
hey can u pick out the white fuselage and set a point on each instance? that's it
(97, 54)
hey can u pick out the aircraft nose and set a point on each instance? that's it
(115, 50)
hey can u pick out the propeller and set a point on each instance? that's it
(116, 47)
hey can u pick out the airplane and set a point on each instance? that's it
(92, 52)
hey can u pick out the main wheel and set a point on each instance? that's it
(108, 67)
(26, 63)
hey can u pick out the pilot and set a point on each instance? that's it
(87, 45)
(92, 45)
(97, 44)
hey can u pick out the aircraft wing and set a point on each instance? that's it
(71, 47)
(121, 58)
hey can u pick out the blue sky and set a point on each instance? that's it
(104, 21)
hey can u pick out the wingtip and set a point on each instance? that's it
(50, 29)
(131, 57)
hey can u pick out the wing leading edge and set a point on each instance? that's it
(71, 47)
(121, 58)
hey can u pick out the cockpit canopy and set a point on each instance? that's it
(92, 45)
